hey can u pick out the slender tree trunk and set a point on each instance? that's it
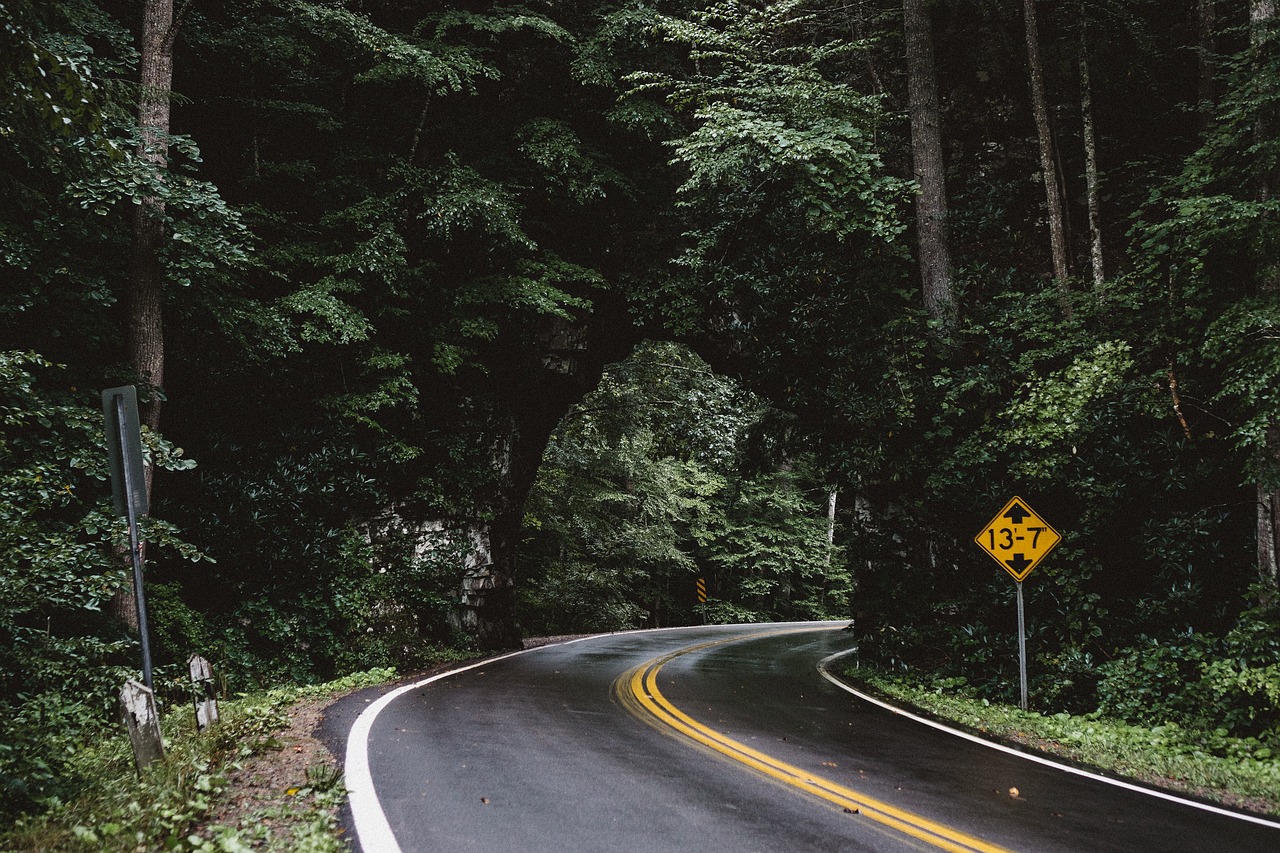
(831, 523)
(857, 16)
(144, 332)
(1269, 522)
(145, 337)
(1090, 157)
(1048, 162)
(418, 129)
(926, 158)
(1262, 20)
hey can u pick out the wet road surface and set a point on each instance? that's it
(722, 738)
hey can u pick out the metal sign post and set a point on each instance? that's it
(1018, 540)
(1022, 648)
(129, 491)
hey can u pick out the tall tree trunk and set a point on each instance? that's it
(1262, 21)
(1048, 161)
(926, 158)
(145, 336)
(144, 330)
(1090, 157)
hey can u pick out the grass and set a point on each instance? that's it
(121, 810)
(1237, 772)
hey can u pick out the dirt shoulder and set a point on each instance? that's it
(270, 800)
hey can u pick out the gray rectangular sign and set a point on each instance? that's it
(124, 447)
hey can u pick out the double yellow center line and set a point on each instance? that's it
(637, 690)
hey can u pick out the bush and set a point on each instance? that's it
(1229, 683)
(1244, 682)
(1155, 682)
(59, 567)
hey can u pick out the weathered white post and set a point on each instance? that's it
(202, 692)
(138, 710)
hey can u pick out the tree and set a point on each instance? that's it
(1209, 236)
(1090, 156)
(1263, 38)
(469, 286)
(1048, 159)
(146, 295)
(927, 165)
(612, 522)
(650, 483)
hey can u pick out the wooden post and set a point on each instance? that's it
(138, 711)
(202, 692)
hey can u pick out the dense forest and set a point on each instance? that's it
(457, 321)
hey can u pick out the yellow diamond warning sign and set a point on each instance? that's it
(1017, 539)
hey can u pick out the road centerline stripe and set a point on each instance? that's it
(640, 694)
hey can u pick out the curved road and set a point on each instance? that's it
(723, 738)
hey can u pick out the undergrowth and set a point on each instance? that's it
(119, 809)
(1237, 771)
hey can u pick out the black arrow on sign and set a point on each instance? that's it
(1016, 513)
(1019, 563)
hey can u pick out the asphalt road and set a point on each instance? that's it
(722, 738)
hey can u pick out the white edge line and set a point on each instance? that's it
(1038, 759)
(371, 826)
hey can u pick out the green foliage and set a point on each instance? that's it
(1209, 235)
(58, 122)
(1246, 341)
(1149, 684)
(391, 57)
(296, 593)
(1053, 409)
(1076, 414)
(1207, 683)
(612, 533)
(115, 808)
(775, 144)
(1200, 762)
(767, 551)
(72, 176)
(51, 81)
(644, 489)
(62, 660)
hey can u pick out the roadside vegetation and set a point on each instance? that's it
(1241, 772)
(114, 808)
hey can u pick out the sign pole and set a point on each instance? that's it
(1022, 646)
